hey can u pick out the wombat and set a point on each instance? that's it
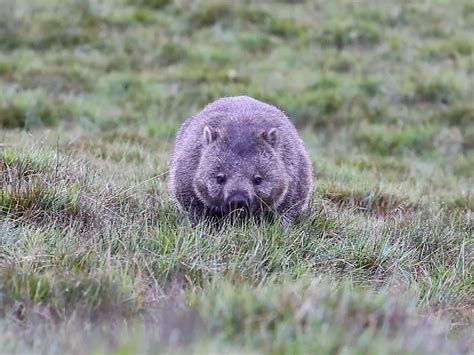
(240, 154)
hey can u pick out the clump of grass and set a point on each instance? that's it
(276, 317)
(459, 114)
(52, 33)
(285, 318)
(198, 74)
(462, 201)
(468, 11)
(9, 37)
(242, 17)
(94, 297)
(171, 53)
(39, 203)
(49, 189)
(255, 42)
(340, 62)
(317, 107)
(153, 4)
(26, 193)
(211, 14)
(31, 110)
(433, 89)
(7, 67)
(14, 116)
(380, 140)
(436, 91)
(225, 14)
(14, 166)
(54, 82)
(450, 48)
(285, 28)
(341, 34)
(375, 203)
(71, 24)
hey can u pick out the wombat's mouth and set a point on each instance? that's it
(235, 212)
(238, 214)
(241, 211)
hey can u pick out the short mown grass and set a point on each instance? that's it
(94, 258)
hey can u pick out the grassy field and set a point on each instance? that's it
(95, 259)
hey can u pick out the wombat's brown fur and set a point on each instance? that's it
(240, 153)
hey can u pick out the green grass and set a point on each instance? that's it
(95, 259)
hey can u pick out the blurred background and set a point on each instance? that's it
(396, 76)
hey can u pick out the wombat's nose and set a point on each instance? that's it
(238, 201)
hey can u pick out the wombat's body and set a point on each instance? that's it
(240, 153)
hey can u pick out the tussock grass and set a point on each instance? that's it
(95, 258)
(222, 284)
(30, 189)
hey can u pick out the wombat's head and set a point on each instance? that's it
(240, 168)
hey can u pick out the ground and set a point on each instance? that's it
(94, 257)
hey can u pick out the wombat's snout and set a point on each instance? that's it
(238, 200)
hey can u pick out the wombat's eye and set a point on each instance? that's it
(220, 179)
(257, 179)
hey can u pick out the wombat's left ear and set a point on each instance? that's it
(209, 135)
(271, 136)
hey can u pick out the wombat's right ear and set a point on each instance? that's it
(209, 135)
(271, 137)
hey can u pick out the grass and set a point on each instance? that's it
(94, 257)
